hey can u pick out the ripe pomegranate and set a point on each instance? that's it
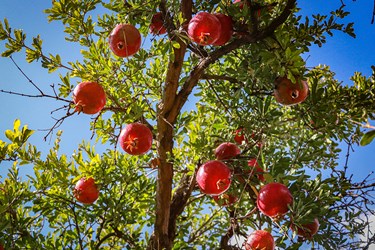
(227, 150)
(1, 247)
(89, 97)
(307, 231)
(226, 29)
(157, 24)
(288, 93)
(225, 200)
(273, 200)
(239, 136)
(260, 240)
(213, 177)
(124, 40)
(256, 169)
(204, 28)
(86, 191)
(136, 139)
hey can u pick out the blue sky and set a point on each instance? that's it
(343, 54)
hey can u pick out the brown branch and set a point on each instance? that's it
(219, 77)
(233, 228)
(171, 105)
(76, 225)
(355, 187)
(179, 201)
(204, 63)
(160, 238)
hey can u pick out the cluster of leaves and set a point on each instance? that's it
(295, 145)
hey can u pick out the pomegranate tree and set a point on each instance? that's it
(288, 93)
(227, 150)
(273, 200)
(89, 97)
(136, 139)
(157, 24)
(204, 28)
(86, 191)
(260, 240)
(125, 40)
(213, 177)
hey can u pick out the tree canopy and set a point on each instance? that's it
(152, 200)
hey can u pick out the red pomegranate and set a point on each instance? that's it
(256, 169)
(89, 97)
(288, 93)
(227, 150)
(273, 200)
(307, 231)
(125, 40)
(86, 191)
(260, 240)
(136, 139)
(213, 177)
(157, 24)
(226, 29)
(204, 28)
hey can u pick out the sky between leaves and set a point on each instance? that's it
(343, 54)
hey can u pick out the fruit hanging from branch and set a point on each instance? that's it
(288, 93)
(86, 191)
(260, 240)
(226, 29)
(89, 97)
(157, 24)
(136, 139)
(214, 177)
(125, 40)
(273, 200)
(227, 150)
(204, 28)
(307, 231)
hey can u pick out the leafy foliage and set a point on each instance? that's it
(194, 98)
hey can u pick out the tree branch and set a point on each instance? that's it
(160, 238)
(204, 63)
(233, 228)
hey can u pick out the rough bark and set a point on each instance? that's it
(168, 111)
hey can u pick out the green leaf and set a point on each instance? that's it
(367, 138)
(9, 134)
